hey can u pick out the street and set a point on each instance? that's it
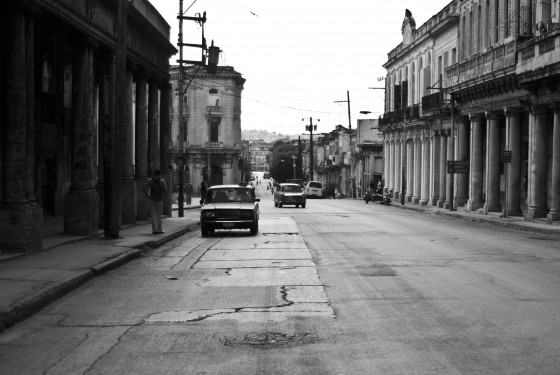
(339, 287)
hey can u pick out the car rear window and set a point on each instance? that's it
(316, 185)
(291, 188)
(230, 195)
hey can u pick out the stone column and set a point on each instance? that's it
(417, 170)
(391, 174)
(398, 169)
(409, 170)
(404, 161)
(493, 151)
(554, 214)
(128, 187)
(81, 204)
(513, 183)
(153, 127)
(21, 219)
(425, 172)
(164, 136)
(538, 170)
(435, 142)
(386, 154)
(476, 163)
(141, 146)
(462, 153)
(442, 169)
(450, 177)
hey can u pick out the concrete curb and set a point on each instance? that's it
(552, 231)
(32, 304)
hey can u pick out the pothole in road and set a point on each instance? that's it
(376, 270)
(267, 340)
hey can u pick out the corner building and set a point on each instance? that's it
(211, 131)
(495, 107)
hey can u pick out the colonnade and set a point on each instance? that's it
(87, 135)
(513, 168)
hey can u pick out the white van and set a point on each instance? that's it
(313, 189)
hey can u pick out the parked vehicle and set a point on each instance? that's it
(378, 196)
(289, 194)
(314, 189)
(229, 207)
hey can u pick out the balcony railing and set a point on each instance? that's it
(500, 57)
(214, 109)
(432, 101)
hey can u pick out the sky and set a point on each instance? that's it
(300, 58)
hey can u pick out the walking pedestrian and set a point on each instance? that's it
(156, 190)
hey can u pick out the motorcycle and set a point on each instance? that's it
(378, 196)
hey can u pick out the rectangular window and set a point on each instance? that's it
(214, 131)
(453, 56)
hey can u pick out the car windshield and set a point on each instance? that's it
(316, 185)
(291, 188)
(224, 195)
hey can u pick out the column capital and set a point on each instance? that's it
(540, 110)
(478, 116)
(513, 111)
(494, 115)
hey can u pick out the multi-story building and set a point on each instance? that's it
(260, 155)
(494, 112)
(368, 161)
(211, 125)
(60, 109)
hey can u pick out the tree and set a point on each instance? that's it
(281, 163)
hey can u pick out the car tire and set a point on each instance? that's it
(255, 228)
(280, 205)
(297, 205)
(275, 204)
(303, 205)
(204, 232)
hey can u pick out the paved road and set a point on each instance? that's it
(339, 287)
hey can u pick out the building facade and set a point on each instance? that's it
(494, 73)
(211, 126)
(58, 113)
(260, 155)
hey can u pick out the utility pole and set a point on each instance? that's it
(310, 129)
(120, 118)
(181, 95)
(352, 177)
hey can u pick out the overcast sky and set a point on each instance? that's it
(299, 57)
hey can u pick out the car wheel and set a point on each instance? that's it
(204, 232)
(255, 227)
(275, 204)
(211, 231)
(303, 205)
(280, 205)
(297, 205)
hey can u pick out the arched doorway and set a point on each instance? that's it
(217, 176)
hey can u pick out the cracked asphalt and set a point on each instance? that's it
(339, 287)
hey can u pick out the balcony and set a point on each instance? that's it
(495, 61)
(214, 109)
(432, 101)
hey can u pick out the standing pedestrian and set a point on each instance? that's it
(156, 190)
(203, 190)
(188, 193)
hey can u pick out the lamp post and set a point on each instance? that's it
(310, 129)
(294, 165)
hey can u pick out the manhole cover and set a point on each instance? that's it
(267, 340)
(377, 270)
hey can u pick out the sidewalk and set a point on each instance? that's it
(28, 282)
(494, 218)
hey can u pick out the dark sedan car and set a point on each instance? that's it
(286, 194)
(229, 207)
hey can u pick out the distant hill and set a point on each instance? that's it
(265, 135)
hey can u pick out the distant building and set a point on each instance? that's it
(211, 125)
(259, 152)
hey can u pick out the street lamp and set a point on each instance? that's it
(294, 165)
